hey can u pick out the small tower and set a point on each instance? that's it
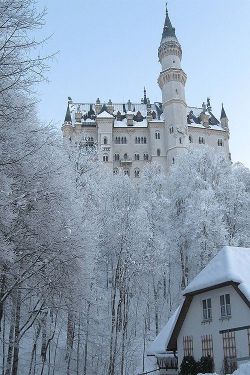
(67, 125)
(224, 119)
(172, 82)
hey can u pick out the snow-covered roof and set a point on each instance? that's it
(230, 264)
(105, 114)
(159, 345)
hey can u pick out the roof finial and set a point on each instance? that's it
(169, 30)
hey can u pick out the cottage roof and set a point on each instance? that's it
(230, 264)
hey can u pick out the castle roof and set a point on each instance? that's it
(89, 113)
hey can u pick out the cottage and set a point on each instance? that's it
(214, 316)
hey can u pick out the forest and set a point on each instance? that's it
(92, 266)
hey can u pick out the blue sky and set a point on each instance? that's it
(108, 49)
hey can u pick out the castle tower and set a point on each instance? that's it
(172, 82)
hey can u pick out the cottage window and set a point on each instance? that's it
(207, 309)
(229, 348)
(207, 345)
(188, 345)
(225, 305)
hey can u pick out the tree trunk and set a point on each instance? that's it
(17, 332)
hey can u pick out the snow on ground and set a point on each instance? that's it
(244, 369)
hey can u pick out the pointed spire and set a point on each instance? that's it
(68, 115)
(145, 96)
(168, 30)
(223, 112)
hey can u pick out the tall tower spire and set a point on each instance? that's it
(172, 82)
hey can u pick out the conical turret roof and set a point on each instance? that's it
(168, 30)
(223, 113)
(68, 115)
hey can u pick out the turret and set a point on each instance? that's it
(67, 125)
(172, 82)
(223, 118)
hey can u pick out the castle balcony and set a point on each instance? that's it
(126, 162)
(106, 148)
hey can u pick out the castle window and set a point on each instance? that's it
(122, 139)
(137, 157)
(105, 140)
(157, 135)
(171, 130)
(173, 161)
(126, 172)
(136, 140)
(201, 140)
(158, 152)
(115, 171)
(220, 142)
(190, 139)
(105, 158)
(180, 140)
(142, 140)
(117, 157)
(145, 156)
(118, 140)
(137, 173)
(145, 140)
(125, 156)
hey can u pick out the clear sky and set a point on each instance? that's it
(108, 49)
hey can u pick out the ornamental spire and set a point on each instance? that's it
(168, 30)
(68, 115)
(223, 112)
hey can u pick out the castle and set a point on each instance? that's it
(129, 135)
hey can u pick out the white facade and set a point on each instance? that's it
(207, 336)
(129, 135)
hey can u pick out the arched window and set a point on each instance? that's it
(158, 152)
(137, 173)
(145, 156)
(145, 140)
(139, 140)
(125, 140)
(171, 130)
(180, 140)
(220, 142)
(117, 157)
(137, 157)
(122, 140)
(190, 139)
(105, 140)
(125, 156)
(126, 172)
(173, 161)
(142, 140)
(105, 158)
(201, 140)
(115, 171)
(136, 140)
(157, 135)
